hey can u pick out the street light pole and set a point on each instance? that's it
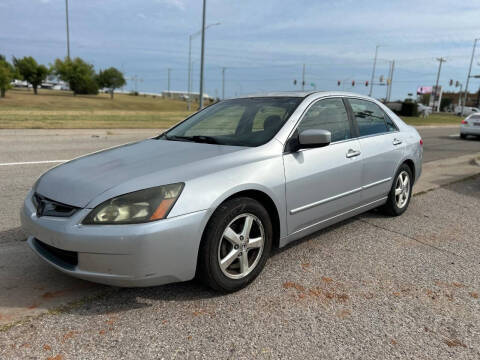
(468, 77)
(373, 70)
(68, 30)
(189, 71)
(202, 55)
(190, 66)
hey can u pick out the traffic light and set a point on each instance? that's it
(366, 83)
(450, 82)
(353, 83)
(294, 82)
(457, 83)
(381, 78)
(339, 82)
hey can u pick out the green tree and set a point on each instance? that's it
(7, 74)
(79, 75)
(31, 71)
(110, 79)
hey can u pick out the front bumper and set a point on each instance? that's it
(147, 254)
(470, 130)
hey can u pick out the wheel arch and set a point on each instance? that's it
(411, 164)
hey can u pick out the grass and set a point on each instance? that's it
(434, 119)
(51, 109)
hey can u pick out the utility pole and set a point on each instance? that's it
(303, 78)
(373, 70)
(223, 83)
(168, 84)
(468, 77)
(390, 79)
(436, 92)
(68, 30)
(202, 56)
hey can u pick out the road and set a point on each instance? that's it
(371, 287)
(444, 142)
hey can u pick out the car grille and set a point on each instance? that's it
(63, 258)
(48, 207)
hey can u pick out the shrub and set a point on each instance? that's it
(409, 109)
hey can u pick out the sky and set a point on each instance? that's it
(263, 44)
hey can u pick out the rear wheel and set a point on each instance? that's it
(463, 136)
(400, 193)
(236, 245)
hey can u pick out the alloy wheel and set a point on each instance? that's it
(241, 246)
(402, 189)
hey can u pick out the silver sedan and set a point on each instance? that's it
(470, 126)
(211, 196)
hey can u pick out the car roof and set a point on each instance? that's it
(301, 94)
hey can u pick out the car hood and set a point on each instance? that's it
(79, 181)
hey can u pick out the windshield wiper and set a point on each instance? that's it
(195, 138)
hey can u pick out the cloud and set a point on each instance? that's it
(178, 4)
(141, 16)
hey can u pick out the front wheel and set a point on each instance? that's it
(236, 245)
(400, 193)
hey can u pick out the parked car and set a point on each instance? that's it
(424, 110)
(470, 126)
(211, 196)
(467, 110)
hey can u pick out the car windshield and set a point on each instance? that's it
(238, 122)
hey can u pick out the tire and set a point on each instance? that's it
(463, 136)
(225, 238)
(394, 206)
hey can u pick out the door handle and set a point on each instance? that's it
(352, 153)
(397, 142)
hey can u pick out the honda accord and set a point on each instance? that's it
(212, 196)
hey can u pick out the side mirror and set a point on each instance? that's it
(313, 138)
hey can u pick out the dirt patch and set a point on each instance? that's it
(454, 343)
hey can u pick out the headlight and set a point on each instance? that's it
(136, 207)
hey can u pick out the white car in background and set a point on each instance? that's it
(423, 109)
(467, 110)
(470, 126)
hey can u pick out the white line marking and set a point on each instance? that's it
(454, 135)
(33, 162)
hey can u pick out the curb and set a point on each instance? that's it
(439, 173)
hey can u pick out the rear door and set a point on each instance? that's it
(323, 182)
(382, 147)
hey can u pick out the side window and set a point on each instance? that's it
(328, 114)
(370, 118)
(390, 124)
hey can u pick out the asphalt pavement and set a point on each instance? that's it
(371, 287)
(444, 142)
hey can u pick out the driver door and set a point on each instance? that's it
(324, 182)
